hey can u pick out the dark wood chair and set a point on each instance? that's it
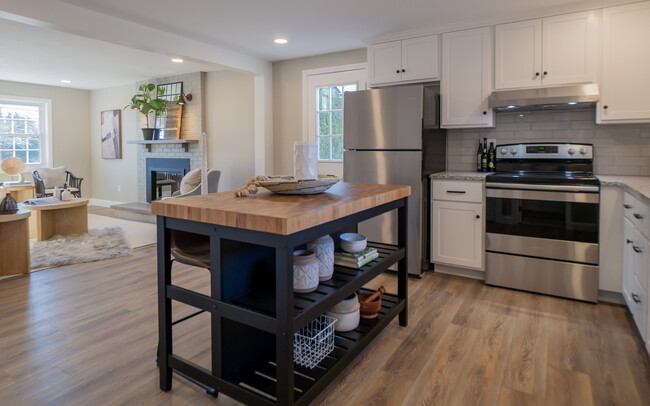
(73, 182)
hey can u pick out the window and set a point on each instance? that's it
(329, 120)
(23, 130)
(323, 92)
(171, 93)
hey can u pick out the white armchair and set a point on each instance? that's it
(191, 183)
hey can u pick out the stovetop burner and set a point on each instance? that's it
(554, 178)
(545, 163)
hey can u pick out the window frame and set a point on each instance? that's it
(45, 106)
(359, 70)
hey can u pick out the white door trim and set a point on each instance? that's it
(320, 71)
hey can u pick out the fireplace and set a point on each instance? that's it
(164, 176)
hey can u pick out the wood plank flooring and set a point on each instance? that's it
(87, 335)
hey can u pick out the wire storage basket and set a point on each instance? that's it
(314, 342)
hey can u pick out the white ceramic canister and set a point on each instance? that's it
(305, 271)
(323, 247)
(305, 160)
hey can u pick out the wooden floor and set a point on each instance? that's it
(86, 335)
(100, 210)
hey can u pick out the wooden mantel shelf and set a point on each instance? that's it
(148, 143)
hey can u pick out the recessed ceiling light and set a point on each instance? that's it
(177, 60)
(280, 41)
(66, 81)
(572, 103)
(511, 107)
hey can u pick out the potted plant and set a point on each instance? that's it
(146, 104)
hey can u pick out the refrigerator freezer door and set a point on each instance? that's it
(389, 118)
(393, 168)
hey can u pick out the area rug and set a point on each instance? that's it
(137, 234)
(97, 244)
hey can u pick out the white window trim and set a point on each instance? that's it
(306, 92)
(46, 137)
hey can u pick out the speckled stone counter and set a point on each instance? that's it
(461, 175)
(637, 185)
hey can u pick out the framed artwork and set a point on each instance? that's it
(111, 134)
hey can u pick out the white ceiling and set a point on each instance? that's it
(235, 33)
(314, 26)
(38, 55)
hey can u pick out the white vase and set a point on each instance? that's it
(323, 247)
(305, 160)
(305, 271)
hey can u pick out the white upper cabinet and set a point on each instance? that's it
(384, 62)
(568, 48)
(518, 55)
(409, 60)
(625, 86)
(466, 78)
(545, 52)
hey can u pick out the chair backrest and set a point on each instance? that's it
(213, 180)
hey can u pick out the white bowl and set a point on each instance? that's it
(346, 321)
(353, 242)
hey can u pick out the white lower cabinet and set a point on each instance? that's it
(457, 226)
(636, 267)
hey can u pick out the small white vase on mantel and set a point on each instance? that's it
(323, 247)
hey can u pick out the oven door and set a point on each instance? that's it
(543, 221)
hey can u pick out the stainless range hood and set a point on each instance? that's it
(545, 98)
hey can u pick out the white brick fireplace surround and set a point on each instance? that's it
(163, 151)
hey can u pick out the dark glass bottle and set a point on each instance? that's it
(491, 158)
(484, 156)
(479, 155)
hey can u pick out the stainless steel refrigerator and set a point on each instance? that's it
(392, 136)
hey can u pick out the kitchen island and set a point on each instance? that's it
(254, 311)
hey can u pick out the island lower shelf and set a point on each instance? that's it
(344, 281)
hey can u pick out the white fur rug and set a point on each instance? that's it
(98, 244)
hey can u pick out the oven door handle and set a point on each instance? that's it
(552, 188)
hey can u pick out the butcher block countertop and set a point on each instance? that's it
(280, 214)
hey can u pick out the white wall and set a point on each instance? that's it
(70, 124)
(114, 179)
(287, 101)
(230, 116)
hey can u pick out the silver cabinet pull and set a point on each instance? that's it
(638, 216)
(637, 249)
(627, 206)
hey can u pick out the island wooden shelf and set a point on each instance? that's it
(148, 143)
(254, 311)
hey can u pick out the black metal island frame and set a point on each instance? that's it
(254, 311)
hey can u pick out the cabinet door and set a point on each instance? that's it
(421, 58)
(518, 55)
(568, 48)
(466, 78)
(457, 234)
(626, 65)
(384, 62)
(628, 262)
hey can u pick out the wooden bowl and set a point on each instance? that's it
(290, 186)
(369, 310)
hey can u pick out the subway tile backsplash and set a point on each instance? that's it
(618, 149)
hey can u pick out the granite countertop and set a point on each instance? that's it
(461, 175)
(638, 185)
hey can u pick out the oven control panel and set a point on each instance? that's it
(545, 151)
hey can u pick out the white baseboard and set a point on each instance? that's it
(466, 273)
(102, 202)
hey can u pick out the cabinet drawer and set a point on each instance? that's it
(637, 304)
(637, 212)
(457, 190)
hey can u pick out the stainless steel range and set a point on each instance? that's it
(542, 220)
